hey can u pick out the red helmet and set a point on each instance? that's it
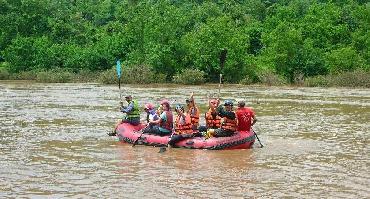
(149, 106)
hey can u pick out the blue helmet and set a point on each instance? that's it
(228, 103)
(179, 106)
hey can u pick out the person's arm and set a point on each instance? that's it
(254, 120)
(222, 113)
(160, 119)
(129, 108)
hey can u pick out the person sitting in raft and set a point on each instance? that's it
(228, 122)
(193, 112)
(246, 117)
(164, 125)
(132, 114)
(151, 113)
(132, 111)
(213, 120)
(183, 126)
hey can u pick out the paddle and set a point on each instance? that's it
(222, 63)
(164, 148)
(257, 137)
(118, 68)
(138, 138)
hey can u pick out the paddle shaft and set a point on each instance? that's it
(257, 138)
(222, 63)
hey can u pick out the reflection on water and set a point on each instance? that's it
(53, 144)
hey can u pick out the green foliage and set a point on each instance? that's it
(267, 41)
(343, 59)
(189, 76)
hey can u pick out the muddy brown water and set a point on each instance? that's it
(54, 145)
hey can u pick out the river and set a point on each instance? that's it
(54, 144)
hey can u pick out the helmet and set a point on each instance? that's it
(165, 102)
(149, 106)
(179, 106)
(228, 103)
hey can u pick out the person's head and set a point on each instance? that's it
(128, 98)
(189, 103)
(166, 105)
(179, 109)
(148, 107)
(228, 105)
(241, 104)
(213, 102)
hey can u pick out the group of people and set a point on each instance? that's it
(221, 120)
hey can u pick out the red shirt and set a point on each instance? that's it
(244, 116)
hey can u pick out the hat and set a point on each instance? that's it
(165, 102)
(241, 103)
(128, 96)
(149, 106)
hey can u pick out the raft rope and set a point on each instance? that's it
(142, 141)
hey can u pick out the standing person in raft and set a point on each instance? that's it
(183, 126)
(246, 117)
(164, 125)
(132, 114)
(193, 112)
(228, 123)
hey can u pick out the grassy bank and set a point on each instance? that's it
(143, 75)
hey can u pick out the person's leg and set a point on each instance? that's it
(174, 139)
(114, 133)
(222, 133)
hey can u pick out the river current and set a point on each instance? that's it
(54, 144)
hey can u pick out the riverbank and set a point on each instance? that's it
(358, 78)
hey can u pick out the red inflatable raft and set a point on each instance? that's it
(240, 140)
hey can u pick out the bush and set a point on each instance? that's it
(55, 76)
(271, 79)
(4, 73)
(357, 78)
(246, 81)
(316, 81)
(139, 74)
(189, 76)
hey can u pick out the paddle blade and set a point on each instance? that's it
(118, 68)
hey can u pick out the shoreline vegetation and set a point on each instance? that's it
(357, 78)
(280, 42)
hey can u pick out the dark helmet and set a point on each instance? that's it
(179, 106)
(228, 103)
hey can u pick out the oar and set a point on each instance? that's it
(257, 137)
(164, 148)
(135, 142)
(222, 63)
(138, 138)
(118, 68)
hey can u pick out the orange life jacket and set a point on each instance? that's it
(183, 128)
(212, 122)
(229, 124)
(194, 116)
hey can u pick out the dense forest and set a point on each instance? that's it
(292, 39)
